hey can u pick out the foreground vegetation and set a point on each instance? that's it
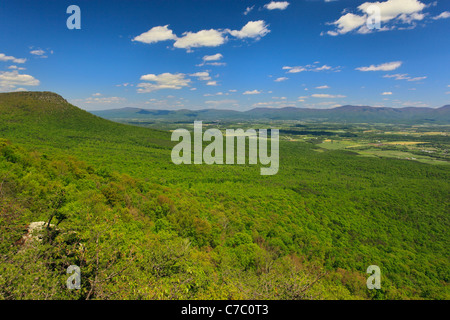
(141, 227)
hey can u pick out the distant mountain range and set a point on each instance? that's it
(350, 114)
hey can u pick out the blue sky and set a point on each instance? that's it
(229, 54)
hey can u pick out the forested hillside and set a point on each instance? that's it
(141, 227)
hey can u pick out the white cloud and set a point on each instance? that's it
(417, 78)
(216, 64)
(16, 67)
(310, 67)
(162, 81)
(212, 83)
(397, 11)
(211, 60)
(253, 29)
(389, 66)
(202, 38)
(215, 94)
(202, 75)
(38, 52)
(156, 34)
(410, 18)
(397, 76)
(213, 57)
(248, 9)
(280, 5)
(98, 94)
(403, 76)
(323, 87)
(252, 92)
(347, 23)
(327, 96)
(4, 57)
(281, 79)
(294, 69)
(124, 84)
(9, 80)
(443, 15)
(387, 93)
(324, 67)
(392, 9)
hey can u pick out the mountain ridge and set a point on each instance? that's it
(346, 113)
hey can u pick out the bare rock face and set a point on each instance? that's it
(35, 232)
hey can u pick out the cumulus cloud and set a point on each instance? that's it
(324, 67)
(253, 29)
(212, 60)
(443, 15)
(391, 12)
(10, 80)
(188, 40)
(294, 69)
(38, 52)
(392, 9)
(347, 23)
(280, 5)
(202, 38)
(323, 87)
(387, 93)
(4, 57)
(162, 81)
(281, 79)
(213, 57)
(156, 34)
(204, 75)
(252, 92)
(389, 66)
(14, 67)
(212, 83)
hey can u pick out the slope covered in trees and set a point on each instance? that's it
(141, 227)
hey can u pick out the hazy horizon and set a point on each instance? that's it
(235, 55)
